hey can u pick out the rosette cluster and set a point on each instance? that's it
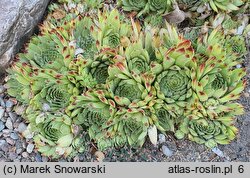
(120, 83)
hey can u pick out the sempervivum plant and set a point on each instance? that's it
(215, 82)
(199, 12)
(54, 135)
(206, 131)
(119, 82)
(143, 7)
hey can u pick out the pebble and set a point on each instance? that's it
(2, 89)
(19, 110)
(9, 124)
(5, 147)
(1, 113)
(19, 150)
(13, 155)
(30, 148)
(162, 138)
(45, 159)
(238, 66)
(2, 142)
(9, 104)
(166, 151)
(218, 152)
(14, 136)
(25, 155)
(2, 103)
(13, 116)
(22, 127)
(45, 107)
(10, 141)
(38, 158)
(2, 126)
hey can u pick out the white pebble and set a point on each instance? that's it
(166, 151)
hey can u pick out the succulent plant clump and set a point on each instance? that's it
(107, 76)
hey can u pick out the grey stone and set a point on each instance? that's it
(25, 154)
(38, 157)
(30, 148)
(2, 103)
(2, 126)
(9, 104)
(14, 136)
(46, 107)
(19, 110)
(9, 124)
(1, 113)
(2, 142)
(13, 155)
(5, 147)
(22, 127)
(19, 150)
(162, 138)
(218, 152)
(2, 89)
(13, 116)
(10, 141)
(17, 21)
(166, 151)
(45, 159)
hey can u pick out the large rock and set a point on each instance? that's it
(17, 21)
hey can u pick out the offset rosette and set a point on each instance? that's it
(85, 38)
(130, 125)
(236, 45)
(99, 70)
(160, 6)
(55, 137)
(55, 92)
(19, 81)
(138, 58)
(111, 30)
(173, 81)
(129, 89)
(209, 132)
(164, 116)
(143, 7)
(42, 52)
(133, 5)
(216, 85)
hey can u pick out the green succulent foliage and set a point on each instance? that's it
(236, 45)
(225, 5)
(164, 116)
(143, 7)
(209, 132)
(114, 80)
(112, 29)
(19, 81)
(99, 70)
(154, 20)
(54, 136)
(129, 89)
(173, 81)
(215, 82)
